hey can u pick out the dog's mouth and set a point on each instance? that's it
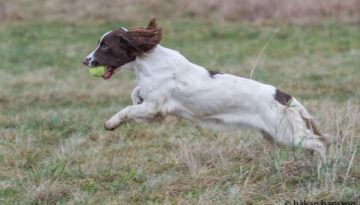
(110, 70)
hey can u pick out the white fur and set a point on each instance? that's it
(171, 85)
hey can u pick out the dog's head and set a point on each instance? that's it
(118, 47)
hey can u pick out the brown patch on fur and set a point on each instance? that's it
(142, 40)
(282, 97)
(212, 73)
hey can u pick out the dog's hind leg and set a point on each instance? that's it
(301, 138)
(312, 142)
(295, 128)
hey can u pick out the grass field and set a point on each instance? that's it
(54, 150)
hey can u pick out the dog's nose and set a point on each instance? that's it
(86, 61)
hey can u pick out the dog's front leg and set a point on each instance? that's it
(141, 112)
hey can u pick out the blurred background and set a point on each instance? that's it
(255, 11)
(54, 150)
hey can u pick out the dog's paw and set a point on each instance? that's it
(108, 126)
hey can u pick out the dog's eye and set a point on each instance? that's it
(104, 46)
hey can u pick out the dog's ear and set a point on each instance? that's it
(142, 40)
(152, 24)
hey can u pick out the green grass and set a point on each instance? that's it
(53, 148)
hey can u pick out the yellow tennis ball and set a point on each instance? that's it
(98, 71)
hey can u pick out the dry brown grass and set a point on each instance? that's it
(258, 11)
